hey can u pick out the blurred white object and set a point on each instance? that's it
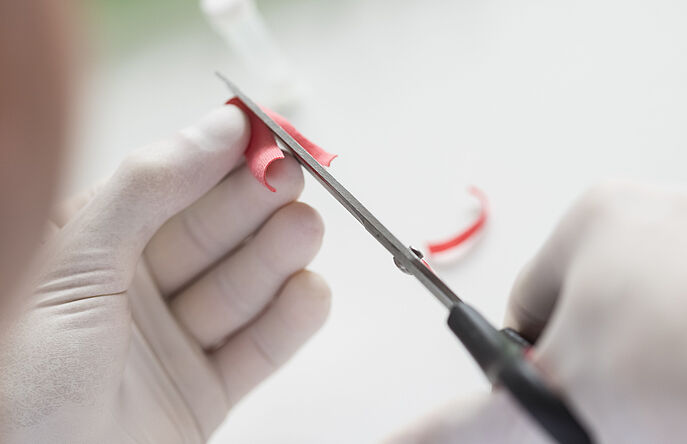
(241, 26)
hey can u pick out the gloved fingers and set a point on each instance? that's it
(103, 242)
(492, 418)
(533, 297)
(536, 290)
(239, 288)
(202, 234)
(264, 345)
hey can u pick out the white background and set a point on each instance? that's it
(533, 101)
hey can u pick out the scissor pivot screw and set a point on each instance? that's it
(400, 266)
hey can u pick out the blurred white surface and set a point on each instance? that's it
(533, 101)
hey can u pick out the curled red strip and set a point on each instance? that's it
(470, 231)
(263, 149)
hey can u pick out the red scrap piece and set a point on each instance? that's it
(263, 149)
(470, 231)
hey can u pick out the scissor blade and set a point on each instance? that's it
(402, 254)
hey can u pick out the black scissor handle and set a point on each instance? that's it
(504, 363)
(515, 337)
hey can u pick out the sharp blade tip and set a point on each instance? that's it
(224, 79)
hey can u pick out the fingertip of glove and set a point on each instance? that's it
(224, 128)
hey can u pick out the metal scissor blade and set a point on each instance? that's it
(403, 255)
(502, 361)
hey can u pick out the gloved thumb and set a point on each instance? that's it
(103, 241)
(492, 418)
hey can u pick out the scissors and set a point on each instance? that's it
(499, 353)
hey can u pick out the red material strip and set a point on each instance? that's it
(470, 231)
(262, 148)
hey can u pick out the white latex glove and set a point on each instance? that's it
(607, 298)
(168, 296)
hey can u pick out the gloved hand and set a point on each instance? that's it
(607, 299)
(163, 297)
